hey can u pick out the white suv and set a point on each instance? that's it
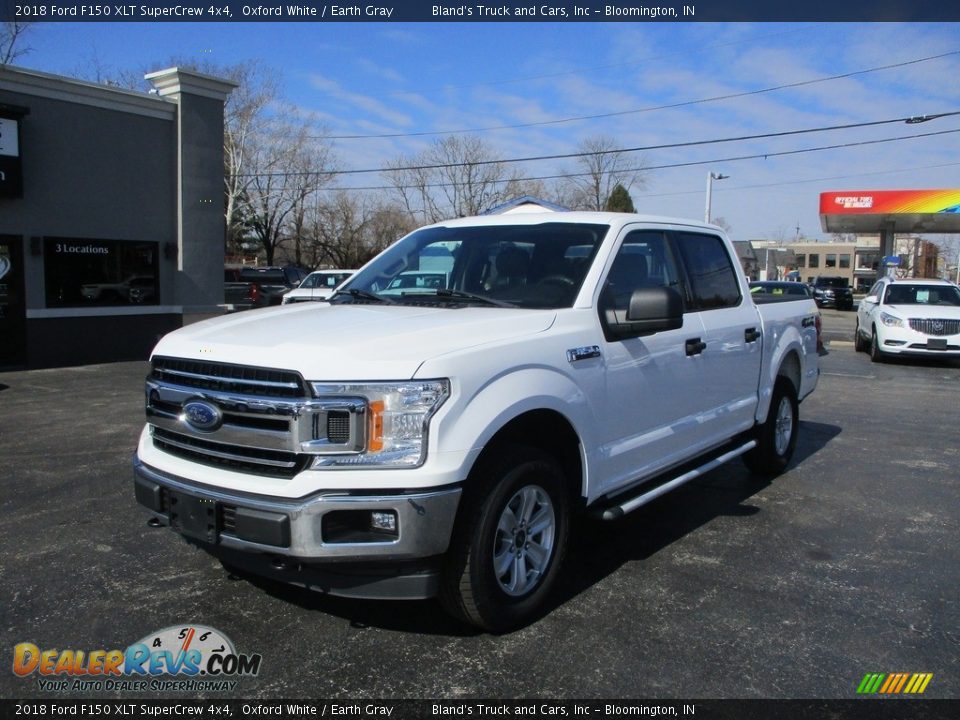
(909, 317)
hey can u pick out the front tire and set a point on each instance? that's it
(859, 344)
(509, 541)
(777, 436)
(876, 354)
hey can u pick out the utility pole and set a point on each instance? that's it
(711, 176)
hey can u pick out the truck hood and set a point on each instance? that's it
(349, 342)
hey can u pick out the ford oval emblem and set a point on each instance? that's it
(201, 415)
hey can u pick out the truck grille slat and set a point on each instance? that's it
(230, 457)
(230, 378)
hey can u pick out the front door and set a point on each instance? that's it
(12, 315)
(653, 398)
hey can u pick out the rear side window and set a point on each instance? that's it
(712, 278)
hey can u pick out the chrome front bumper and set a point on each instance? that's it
(326, 527)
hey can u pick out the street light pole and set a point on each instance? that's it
(711, 176)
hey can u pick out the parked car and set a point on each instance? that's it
(415, 281)
(318, 285)
(909, 317)
(779, 288)
(439, 441)
(831, 291)
(256, 287)
(116, 292)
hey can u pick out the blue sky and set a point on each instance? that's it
(387, 78)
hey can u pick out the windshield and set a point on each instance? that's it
(529, 266)
(898, 294)
(834, 282)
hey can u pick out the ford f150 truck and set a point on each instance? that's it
(438, 441)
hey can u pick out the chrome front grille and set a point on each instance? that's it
(258, 421)
(229, 378)
(935, 327)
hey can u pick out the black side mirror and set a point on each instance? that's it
(650, 310)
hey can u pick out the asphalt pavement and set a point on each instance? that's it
(728, 587)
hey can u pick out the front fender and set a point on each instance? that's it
(482, 410)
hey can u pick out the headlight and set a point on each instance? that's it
(890, 320)
(397, 420)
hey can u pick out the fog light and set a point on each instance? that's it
(383, 521)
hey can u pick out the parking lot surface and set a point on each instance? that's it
(729, 587)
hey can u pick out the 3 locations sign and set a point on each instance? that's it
(11, 182)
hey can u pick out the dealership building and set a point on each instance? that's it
(111, 214)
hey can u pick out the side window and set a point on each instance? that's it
(644, 260)
(712, 277)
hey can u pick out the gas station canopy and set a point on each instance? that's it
(902, 211)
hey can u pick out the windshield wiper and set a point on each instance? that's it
(463, 295)
(358, 294)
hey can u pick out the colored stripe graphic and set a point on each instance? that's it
(894, 683)
(870, 683)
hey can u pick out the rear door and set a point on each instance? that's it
(730, 347)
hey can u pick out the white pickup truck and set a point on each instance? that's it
(438, 441)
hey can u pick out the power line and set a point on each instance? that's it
(670, 106)
(728, 188)
(643, 148)
(713, 161)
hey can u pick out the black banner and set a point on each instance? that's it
(864, 709)
(452, 11)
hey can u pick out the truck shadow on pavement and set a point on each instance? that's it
(598, 549)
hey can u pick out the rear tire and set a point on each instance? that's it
(777, 436)
(509, 541)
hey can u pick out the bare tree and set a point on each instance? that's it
(346, 230)
(10, 33)
(286, 167)
(722, 223)
(599, 169)
(246, 122)
(455, 177)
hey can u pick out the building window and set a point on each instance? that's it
(868, 260)
(845, 260)
(814, 260)
(801, 260)
(831, 260)
(96, 273)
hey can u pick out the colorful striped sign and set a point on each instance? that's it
(886, 202)
(894, 683)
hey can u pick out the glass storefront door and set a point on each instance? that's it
(12, 314)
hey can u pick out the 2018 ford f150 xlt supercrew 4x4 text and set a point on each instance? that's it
(438, 440)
